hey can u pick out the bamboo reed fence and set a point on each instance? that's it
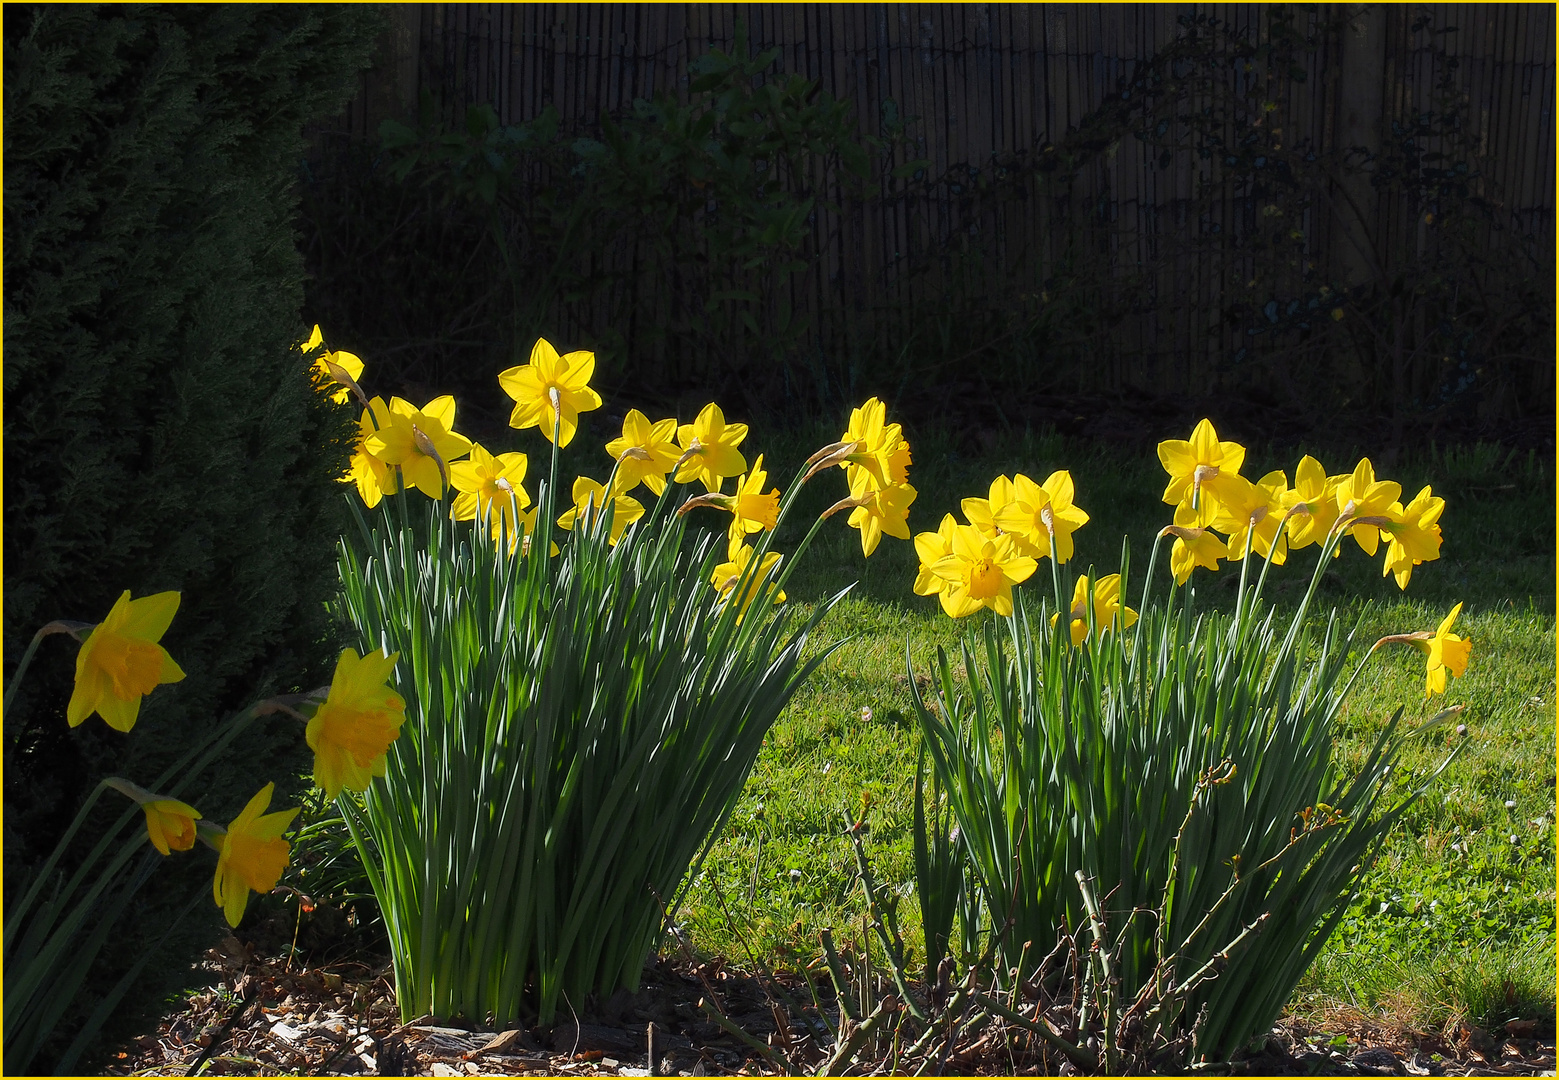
(978, 83)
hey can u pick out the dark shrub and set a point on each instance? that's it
(159, 427)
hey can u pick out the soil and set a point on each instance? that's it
(265, 1015)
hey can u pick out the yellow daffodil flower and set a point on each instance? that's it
(1037, 512)
(1312, 502)
(323, 375)
(121, 662)
(751, 509)
(709, 444)
(980, 572)
(1413, 534)
(981, 513)
(932, 547)
(421, 441)
(1366, 502)
(1199, 467)
(253, 855)
(374, 478)
(657, 443)
(352, 729)
(728, 575)
(590, 496)
(880, 510)
(1193, 546)
(1255, 510)
(551, 391)
(486, 483)
(1447, 652)
(1106, 605)
(170, 824)
(883, 454)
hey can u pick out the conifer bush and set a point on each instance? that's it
(159, 428)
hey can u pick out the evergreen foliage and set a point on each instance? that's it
(159, 425)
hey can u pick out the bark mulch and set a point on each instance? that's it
(265, 1016)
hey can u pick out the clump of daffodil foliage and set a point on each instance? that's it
(588, 674)
(65, 911)
(1160, 781)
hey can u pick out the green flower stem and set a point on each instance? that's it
(58, 626)
(1239, 603)
(1147, 581)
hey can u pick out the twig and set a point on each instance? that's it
(1078, 1056)
(835, 969)
(775, 1056)
(251, 995)
(892, 944)
(843, 1055)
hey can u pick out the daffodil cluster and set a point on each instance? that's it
(975, 565)
(121, 660)
(1218, 515)
(401, 446)
(1269, 517)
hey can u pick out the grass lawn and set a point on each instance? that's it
(1456, 917)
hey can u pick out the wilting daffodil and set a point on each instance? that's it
(551, 391)
(590, 496)
(729, 574)
(879, 510)
(330, 366)
(486, 483)
(352, 729)
(656, 452)
(170, 824)
(932, 547)
(1254, 512)
(252, 856)
(1311, 505)
(1414, 535)
(1106, 605)
(421, 441)
(1366, 502)
(1036, 512)
(1447, 652)
(121, 662)
(709, 449)
(883, 454)
(1194, 546)
(980, 572)
(1199, 467)
(374, 478)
